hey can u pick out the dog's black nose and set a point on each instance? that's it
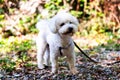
(70, 29)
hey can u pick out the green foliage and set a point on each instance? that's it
(76, 13)
(21, 46)
(17, 52)
(14, 44)
(29, 64)
(23, 56)
(27, 24)
(2, 17)
(95, 18)
(54, 6)
(112, 45)
(1, 1)
(7, 64)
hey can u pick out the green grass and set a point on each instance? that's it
(14, 44)
(14, 52)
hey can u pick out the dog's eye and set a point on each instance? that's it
(62, 24)
(71, 22)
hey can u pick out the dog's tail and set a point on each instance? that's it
(40, 23)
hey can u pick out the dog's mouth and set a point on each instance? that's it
(68, 33)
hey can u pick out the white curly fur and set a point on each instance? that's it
(54, 33)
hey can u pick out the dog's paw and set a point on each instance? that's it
(54, 71)
(74, 71)
(41, 66)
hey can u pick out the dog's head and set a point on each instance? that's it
(64, 24)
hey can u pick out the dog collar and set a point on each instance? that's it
(60, 48)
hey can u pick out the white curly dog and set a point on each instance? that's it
(54, 40)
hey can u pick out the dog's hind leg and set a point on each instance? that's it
(47, 56)
(41, 47)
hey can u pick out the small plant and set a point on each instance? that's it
(14, 44)
(7, 64)
(22, 45)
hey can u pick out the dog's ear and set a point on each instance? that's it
(75, 21)
(52, 25)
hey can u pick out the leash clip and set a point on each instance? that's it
(60, 48)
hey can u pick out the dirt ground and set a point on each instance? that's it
(87, 71)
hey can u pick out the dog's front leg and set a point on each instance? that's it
(71, 61)
(53, 60)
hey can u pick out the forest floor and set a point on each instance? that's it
(87, 70)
